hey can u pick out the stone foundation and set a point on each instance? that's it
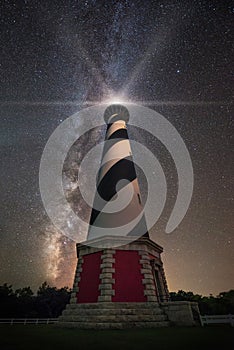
(109, 315)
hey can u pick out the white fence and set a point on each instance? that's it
(25, 321)
(217, 319)
(207, 319)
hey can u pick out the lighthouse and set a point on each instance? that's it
(119, 279)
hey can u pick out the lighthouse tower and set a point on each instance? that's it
(117, 182)
(119, 280)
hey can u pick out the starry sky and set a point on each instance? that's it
(58, 57)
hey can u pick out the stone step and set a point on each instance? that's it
(113, 305)
(112, 318)
(113, 325)
(126, 311)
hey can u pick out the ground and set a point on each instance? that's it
(50, 337)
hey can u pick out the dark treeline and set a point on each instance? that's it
(49, 302)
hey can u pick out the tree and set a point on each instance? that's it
(51, 301)
(8, 301)
(25, 302)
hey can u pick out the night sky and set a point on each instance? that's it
(175, 57)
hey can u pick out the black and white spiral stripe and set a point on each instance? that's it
(117, 164)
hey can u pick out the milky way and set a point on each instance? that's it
(59, 57)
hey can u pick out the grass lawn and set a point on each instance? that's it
(41, 337)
